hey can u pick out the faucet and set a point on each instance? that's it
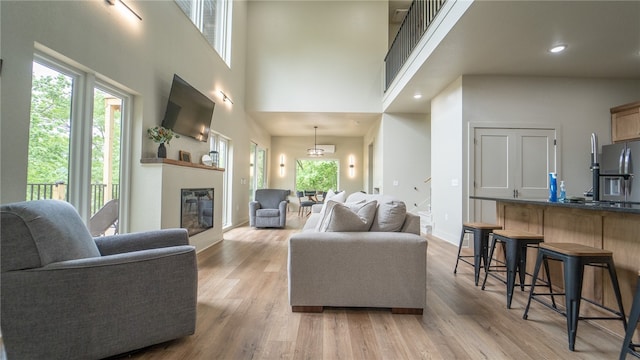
(595, 167)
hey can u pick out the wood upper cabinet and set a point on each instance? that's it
(625, 122)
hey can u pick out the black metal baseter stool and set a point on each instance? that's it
(628, 347)
(516, 244)
(480, 233)
(574, 258)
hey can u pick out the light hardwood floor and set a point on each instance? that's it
(243, 313)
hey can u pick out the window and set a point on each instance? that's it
(253, 148)
(258, 169)
(49, 132)
(319, 175)
(105, 149)
(76, 132)
(220, 144)
(213, 19)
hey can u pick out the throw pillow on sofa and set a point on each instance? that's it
(390, 216)
(348, 217)
(331, 196)
(338, 197)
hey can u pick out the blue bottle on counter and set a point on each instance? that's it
(553, 187)
(563, 192)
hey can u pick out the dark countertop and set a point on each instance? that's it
(623, 207)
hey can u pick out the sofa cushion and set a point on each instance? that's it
(390, 216)
(339, 196)
(329, 205)
(359, 196)
(268, 213)
(345, 217)
(331, 196)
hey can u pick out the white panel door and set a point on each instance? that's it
(511, 163)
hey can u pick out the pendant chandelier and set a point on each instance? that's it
(314, 151)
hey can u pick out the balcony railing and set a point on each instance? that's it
(420, 15)
(58, 190)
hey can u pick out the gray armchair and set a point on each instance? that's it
(66, 295)
(269, 208)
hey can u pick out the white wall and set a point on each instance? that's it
(374, 162)
(446, 161)
(578, 106)
(317, 56)
(141, 56)
(407, 158)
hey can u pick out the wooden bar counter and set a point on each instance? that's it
(604, 225)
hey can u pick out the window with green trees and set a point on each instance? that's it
(49, 134)
(319, 175)
(62, 136)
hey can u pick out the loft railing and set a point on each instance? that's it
(58, 191)
(420, 15)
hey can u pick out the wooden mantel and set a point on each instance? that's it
(178, 163)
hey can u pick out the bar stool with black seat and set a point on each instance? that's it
(574, 258)
(516, 244)
(480, 233)
(628, 347)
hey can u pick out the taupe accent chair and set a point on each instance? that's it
(66, 295)
(269, 208)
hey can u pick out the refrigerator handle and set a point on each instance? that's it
(621, 165)
(621, 161)
(627, 162)
(628, 169)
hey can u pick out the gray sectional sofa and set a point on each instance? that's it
(384, 266)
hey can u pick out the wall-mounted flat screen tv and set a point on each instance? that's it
(189, 111)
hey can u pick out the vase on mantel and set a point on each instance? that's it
(162, 151)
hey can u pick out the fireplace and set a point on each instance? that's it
(196, 214)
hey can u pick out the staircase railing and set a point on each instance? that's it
(420, 15)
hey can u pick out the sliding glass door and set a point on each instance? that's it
(75, 137)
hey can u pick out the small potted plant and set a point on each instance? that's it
(161, 135)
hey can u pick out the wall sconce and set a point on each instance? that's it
(282, 165)
(225, 98)
(117, 2)
(352, 166)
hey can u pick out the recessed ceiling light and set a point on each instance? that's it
(417, 96)
(558, 48)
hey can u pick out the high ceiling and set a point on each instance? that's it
(513, 38)
(503, 38)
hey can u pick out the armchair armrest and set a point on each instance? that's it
(254, 205)
(118, 259)
(283, 206)
(125, 243)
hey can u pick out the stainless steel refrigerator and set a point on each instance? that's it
(617, 180)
